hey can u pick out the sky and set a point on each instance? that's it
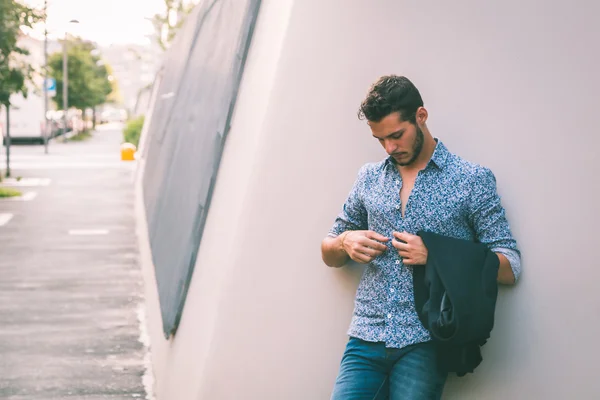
(102, 21)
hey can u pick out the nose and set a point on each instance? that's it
(389, 147)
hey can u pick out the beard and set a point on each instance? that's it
(416, 148)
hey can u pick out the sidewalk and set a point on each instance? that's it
(70, 292)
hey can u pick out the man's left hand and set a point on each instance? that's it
(411, 248)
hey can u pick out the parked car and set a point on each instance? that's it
(113, 115)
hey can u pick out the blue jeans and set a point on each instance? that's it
(370, 371)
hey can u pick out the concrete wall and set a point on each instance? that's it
(513, 85)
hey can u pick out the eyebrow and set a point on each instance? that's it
(391, 134)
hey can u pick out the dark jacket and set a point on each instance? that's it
(455, 297)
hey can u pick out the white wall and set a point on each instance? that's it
(179, 364)
(27, 114)
(513, 85)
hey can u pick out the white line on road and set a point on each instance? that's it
(4, 218)
(62, 157)
(29, 196)
(82, 232)
(26, 182)
(67, 165)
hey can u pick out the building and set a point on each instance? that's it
(134, 67)
(249, 152)
(27, 114)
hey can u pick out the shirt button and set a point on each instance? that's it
(397, 207)
(397, 261)
(389, 316)
(392, 290)
(397, 182)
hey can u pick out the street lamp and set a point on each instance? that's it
(47, 127)
(66, 78)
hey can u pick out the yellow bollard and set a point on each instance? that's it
(127, 152)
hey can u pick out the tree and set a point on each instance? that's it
(168, 23)
(115, 95)
(88, 81)
(15, 71)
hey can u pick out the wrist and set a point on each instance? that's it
(342, 240)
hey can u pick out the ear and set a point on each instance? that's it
(421, 116)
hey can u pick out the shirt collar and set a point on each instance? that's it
(439, 157)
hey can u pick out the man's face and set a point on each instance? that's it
(401, 139)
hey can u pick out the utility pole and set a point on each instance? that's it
(7, 140)
(66, 76)
(47, 131)
(65, 84)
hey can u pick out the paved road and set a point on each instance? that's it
(70, 286)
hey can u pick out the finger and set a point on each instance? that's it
(404, 254)
(368, 251)
(377, 236)
(378, 253)
(373, 253)
(368, 257)
(361, 258)
(403, 236)
(374, 245)
(366, 242)
(399, 245)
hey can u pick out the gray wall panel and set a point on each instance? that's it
(186, 136)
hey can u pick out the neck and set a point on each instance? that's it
(424, 157)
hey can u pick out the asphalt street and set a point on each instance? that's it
(70, 287)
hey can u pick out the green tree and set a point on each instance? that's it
(165, 26)
(115, 95)
(15, 71)
(88, 80)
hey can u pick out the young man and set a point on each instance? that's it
(420, 186)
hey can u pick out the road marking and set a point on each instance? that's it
(86, 232)
(65, 157)
(66, 165)
(26, 182)
(29, 196)
(4, 218)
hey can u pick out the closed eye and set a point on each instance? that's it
(393, 136)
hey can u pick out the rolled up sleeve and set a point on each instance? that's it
(353, 215)
(488, 218)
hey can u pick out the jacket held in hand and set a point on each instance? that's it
(455, 298)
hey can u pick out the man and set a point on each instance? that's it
(420, 186)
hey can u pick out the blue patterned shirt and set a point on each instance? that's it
(451, 197)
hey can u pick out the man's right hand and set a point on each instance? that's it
(363, 246)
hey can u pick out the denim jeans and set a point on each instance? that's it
(370, 371)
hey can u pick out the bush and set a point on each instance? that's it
(133, 129)
(7, 192)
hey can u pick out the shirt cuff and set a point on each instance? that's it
(338, 228)
(513, 257)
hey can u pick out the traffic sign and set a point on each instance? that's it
(51, 87)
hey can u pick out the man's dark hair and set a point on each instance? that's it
(391, 93)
